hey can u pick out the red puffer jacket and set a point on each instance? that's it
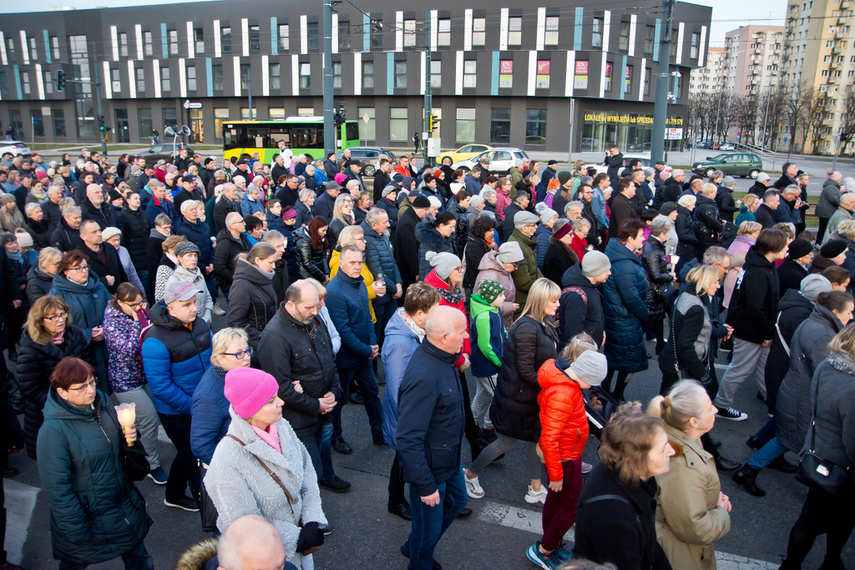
(564, 425)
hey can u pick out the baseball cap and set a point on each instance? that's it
(179, 292)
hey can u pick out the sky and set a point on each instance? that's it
(727, 14)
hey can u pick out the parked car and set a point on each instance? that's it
(369, 155)
(15, 148)
(164, 151)
(464, 152)
(745, 164)
(501, 159)
(727, 146)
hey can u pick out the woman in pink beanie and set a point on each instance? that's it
(261, 468)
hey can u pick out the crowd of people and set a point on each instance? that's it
(545, 284)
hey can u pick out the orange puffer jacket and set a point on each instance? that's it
(564, 425)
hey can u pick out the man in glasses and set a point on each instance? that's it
(296, 348)
(176, 352)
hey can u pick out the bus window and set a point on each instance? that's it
(308, 136)
(230, 138)
(258, 136)
(351, 132)
(280, 135)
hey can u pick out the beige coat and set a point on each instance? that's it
(688, 522)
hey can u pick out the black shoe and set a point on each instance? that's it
(356, 399)
(782, 465)
(723, 464)
(726, 345)
(754, 443)
(760, 396)
(10, 472)
(466, 512)
(715, 442)
(402, 510)
(659, 347)
(379, 442)
(488, 435)
(406, 554)
(186, 503)
(327, 529)
(747, 479)
(342, 446)
(336, 484)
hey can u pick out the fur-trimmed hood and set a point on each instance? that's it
(198, 556)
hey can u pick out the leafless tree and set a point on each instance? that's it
(746, 119)
(798, 103)
(814, 126)
(847, 118)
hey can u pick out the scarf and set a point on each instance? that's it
(17, 256)
(452, 296)
(270, 436)
(411, 324)
(57, 340)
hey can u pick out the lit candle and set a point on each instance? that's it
(127, 414)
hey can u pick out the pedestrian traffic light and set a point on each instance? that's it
(60, 80)
(433, 123)
(101, 126)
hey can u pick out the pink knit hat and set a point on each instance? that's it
(340, 177)
(248, 390)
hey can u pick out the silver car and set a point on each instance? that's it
(501, 159)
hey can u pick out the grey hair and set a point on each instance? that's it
(305, 194)
(660, 225)
(351, 183)
(187, 204)
(273, 236)
(162, 220)
(574, 204)
(374, 215)
(716, 254)
(30, 207)
(233, 218)
(70, 211)
(488, 194)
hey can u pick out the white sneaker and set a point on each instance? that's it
(586, 468)
(217, 310)
(473, 487)
(534, 497)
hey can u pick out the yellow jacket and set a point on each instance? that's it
(366, 277)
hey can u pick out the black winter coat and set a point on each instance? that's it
(407, 250)
(41, 232)
(136, 227)
(726, 204)
(476, 248)
(655, 263)
(222, 208)
(430, 239)
(64, 238)
(38, 284)
(758, 189)
(707, 225)
(200, 234)
(313, 263)
(558, 259)
(113, 267)
(508, 228)
(685, 229)
(622, 209)
(35, 365)
(515, 412)
(790, 275)
(252, 300)
(380, 259)
(755, 300)
(765, 216)
(225, 258)
(291, 351)
(580, 308)
(672, 190)
(105, 215)
(52, 213)
(461, 231)
(793, 310)
(153, 253)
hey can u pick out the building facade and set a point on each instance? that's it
(506, 76)
(752, 59)
(710, 77)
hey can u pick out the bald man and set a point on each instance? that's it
(251, 543)
(94, 207)
(430, 430)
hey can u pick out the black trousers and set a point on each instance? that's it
(396, 483)
(185, 469)
(826, 514)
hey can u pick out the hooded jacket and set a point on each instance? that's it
(252, 300)
(430, 239)
(625, 309)
(487, 336)
(204, 302)
(580, 307)
(691, 339)
(755, 300)
(790, 275)
(225, 257)
(380, 259)
(564, 424)
(793, 310)
(64, 237)
(400, 343)
(835, 410)
(491, 267)
(38, 284)
(527, 273)
(136, 228)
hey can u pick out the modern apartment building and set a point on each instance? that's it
(710, 77)
(504, 74)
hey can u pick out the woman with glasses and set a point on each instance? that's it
(87, 300)
(96, 514)
(209, 406)
(124, 320)
(48, 337)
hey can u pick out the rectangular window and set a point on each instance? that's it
(500, 126)
(116, 80)
(275, 77)
(336, 75)
(305, 111)
(38, 123)
(226, 42)
(173, 42)
(284, 37)
(10, 49)
(305, 75)
(140, 80)
(597, 33)
(542, 78)
(580, 77)
(54, 46)
(623, 38)
(48, 83)
(647, 72)
(220, 117)
(694, 47)
(147, 45)
(244, 77)
(199, 40)
(400, 75)
(367, 132)
(312, 32)
(443, 35)
(608, 77)
(465, 126)
(254, 38)
(550, 37)
(376, 34)
(628, 78)
(276, 112)
(165, 82)
(343, 35)
(535, 126)
(470, 68)
(34, 54)
(191, 78)
(170, 117)
(25, 82)
(479, 31)
(506, 73)
(217, 77)
(58, 123)
(145, 123)
(409, 33)
(435, 74)
(515, 31)
(368, 75)
(80, 68)
(399, 130)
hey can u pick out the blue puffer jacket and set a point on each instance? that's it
(210, 411)
(401, 341)
(175, 358)
(347, 302)
(380, 259)
(625, 309)
(200, 234)
(96, 514)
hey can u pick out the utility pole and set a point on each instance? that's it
(248, 90)
(428, 93)
(660, 106)
(570, 146)
(329, 106)
(98, 95)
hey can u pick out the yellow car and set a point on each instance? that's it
(464, 152)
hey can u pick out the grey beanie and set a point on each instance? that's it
(591, 367)
(595, 263)
(546, 214)
(476, 201)
(813, 285)
(524, 218)
(728, 181)
(185, 247)
(389, 189)
(443, 263)
(510, 252)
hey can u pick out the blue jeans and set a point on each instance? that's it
(364, 376)
(767, 454)
(319, 446)
(767, 432)
(430, 523)
(136, 558)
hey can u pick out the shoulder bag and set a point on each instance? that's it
(816, 472)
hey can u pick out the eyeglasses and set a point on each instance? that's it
(136, 306)
(86, 386)
(241, 354)
(79, 268)
(57, 317)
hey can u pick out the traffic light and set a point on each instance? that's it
(101, 126)
(433, 123)
(844, 137)
(60, 80)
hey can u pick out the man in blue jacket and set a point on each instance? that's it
(176, 351)
(430, 431)
(347, 302)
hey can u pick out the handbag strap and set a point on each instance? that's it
(274, 476)
(673, 339)
(813, 418)
(780, 336)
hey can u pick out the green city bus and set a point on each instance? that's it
(303, 135)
